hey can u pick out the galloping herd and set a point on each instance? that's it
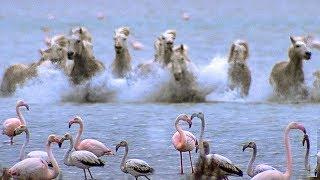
(86, 153)
(74, 55)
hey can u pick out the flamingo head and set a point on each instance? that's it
(185, 118)
(249, 145)
(199, 115)
(20, 129)
(121, 144)
(53, 138)
(22, 103)
(295, 125)
(76, 119)
(67, 136)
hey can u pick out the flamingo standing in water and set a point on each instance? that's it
(274, 174)
(135, 167)
(212, 165)
(37, 168)
(258, 168)
(33, 154)
(9, 125)
(92, 145)
(81, 159)
(184, 141)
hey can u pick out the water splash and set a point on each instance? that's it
(53, 86)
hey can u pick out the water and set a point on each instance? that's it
(148, 126)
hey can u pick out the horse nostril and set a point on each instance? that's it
(70, 54)
(308, 53)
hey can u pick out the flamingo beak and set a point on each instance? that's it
(190, 124)
(70, 123)
(27, 106)
(60, 142)
(245, 147)
(117, 147)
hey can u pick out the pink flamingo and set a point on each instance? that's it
(11, 124)
(184, 141)
(136, 45)
(275, 174)
(92, 145)
(37, 168)
(185, 16)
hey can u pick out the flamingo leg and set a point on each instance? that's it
(181, 165)
(90, 174)
(11, 140)
(147, 177)
(191, 162)
(85, 175)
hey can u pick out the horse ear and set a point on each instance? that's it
(231, 52)
(41, 51)
(80, 30)
(293, 41)
(126, 31)
(182, 47)
(171, 31)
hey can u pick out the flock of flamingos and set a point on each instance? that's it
(286, 78)
(86, 153)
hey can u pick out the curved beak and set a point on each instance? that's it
(27, 106)
(305, 140)
(60, 142)
(117, 147)
(190, 123)
(70, 123)
(245, 147)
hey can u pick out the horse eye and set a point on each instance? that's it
(78, 41)
(297, 46)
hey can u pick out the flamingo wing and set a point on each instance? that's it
(225, 165)
(261, 168)
(40, 154)
(138, 166)
(86, 158)
(28, 168)
(94, 146)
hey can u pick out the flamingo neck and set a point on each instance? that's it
(250, 164)
(55, 170)
(23, 147)
(67, 154)
(288, 172)
(20, 116)
(202, 153)
(122, 166)
(77, 143)
(180, 131)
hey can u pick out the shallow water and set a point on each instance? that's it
(147, 126)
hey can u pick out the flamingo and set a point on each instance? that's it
(135, 167)
(184, 141)
(36, 168)
(9, 125)
(81, 159)
(92, 145)
(274, 174)
(307, 165)
(213, 165)
(258, 168)
(306, 157)
(136, 45)
(33, 154)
